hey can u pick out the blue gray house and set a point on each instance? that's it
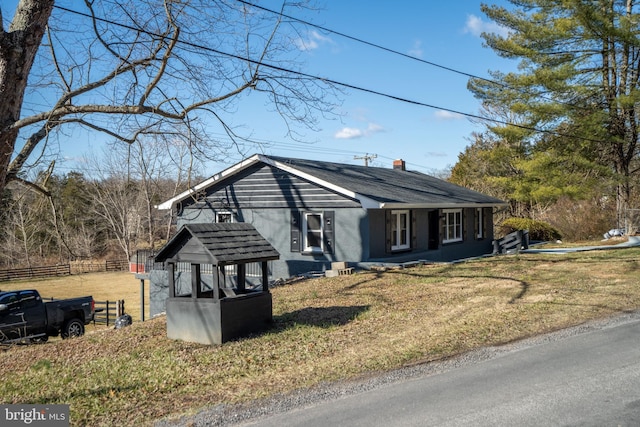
(315, 213)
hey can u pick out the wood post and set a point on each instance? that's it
(196, 288)
(142, 300)
(265, 276)
(242, 277)
(172, 279)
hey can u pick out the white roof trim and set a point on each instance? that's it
(366, 202)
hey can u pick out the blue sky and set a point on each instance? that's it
(428, 139)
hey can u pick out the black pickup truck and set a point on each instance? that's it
(24, 317)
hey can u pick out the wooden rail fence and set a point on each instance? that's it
(62, 270)
(35, 272)
(512, 243)
(106, 311)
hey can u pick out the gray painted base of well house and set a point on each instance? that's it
(210, 321)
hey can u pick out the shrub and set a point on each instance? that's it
(538, 230)
(582, 219)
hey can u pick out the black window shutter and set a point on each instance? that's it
(463, 218)
(296, 230)
(476, 223)
(414, 229)
(387, 231)
(487, 216)
(329, 235)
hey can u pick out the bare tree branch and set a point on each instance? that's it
(149, 65)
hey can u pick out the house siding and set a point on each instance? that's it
(469, 246)
(350, 226)
(262, 186)
(379, 248)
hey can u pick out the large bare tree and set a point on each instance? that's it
(124, 68)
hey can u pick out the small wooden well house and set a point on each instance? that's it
(209, 300)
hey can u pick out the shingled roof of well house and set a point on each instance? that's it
(224, 243)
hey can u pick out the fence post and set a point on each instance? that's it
(142, 300)
(107, 312)
(119, 308)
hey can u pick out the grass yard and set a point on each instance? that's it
(324, 330)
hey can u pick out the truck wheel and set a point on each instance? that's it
(73, 328)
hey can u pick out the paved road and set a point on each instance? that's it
(586, 379)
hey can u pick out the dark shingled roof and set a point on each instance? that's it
(386, 185)
(374, 187)
(222, 243)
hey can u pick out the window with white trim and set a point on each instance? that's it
(312, 232)
(452, 225)
(479, 223)
(400, 230)
(224, 217)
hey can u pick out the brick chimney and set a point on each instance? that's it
(399, 164)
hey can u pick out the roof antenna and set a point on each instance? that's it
(366, 158)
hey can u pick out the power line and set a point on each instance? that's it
(331, 81)
(396, 52)
(375, 45)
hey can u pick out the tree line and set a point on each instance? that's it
(106, 211)
(561, 142)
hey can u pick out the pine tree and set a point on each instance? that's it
(577, 80)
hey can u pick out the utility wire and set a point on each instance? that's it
(375, 45)
(395, 52)
(331, 81)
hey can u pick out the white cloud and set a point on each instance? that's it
(349, 133)
(354, 133)
(447, 115)
(374, 128)
(477, 26)
(313, 41)
(416, 50)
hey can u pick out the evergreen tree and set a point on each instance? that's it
(577, 82)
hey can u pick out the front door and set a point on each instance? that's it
(434, 229)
